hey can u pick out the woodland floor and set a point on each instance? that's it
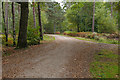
(65, 57)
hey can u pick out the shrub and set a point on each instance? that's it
(82, 34)
(10, 40)
(96, 37)
(57, 32)
(105, 23)
(3, 39)
(33, 36)
(67, 32)
(64, 33)
(101, 39)
(114, 41)
(70, 33)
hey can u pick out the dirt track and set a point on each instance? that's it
(63, 58)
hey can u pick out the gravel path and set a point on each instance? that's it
(63, 58)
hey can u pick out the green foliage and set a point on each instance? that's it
(10, 40)
(55, 15)
(79, 15)
(73, 15)
(48, 38)
(68, 32)
(94, 37)
(105, 65)
(33, 36)
(105, 23)
(99, 40)
(44, 17)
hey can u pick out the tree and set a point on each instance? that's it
(55, 17)
(3, 14)
(105, 23)
(111, 8)
(22, 37)
(117, 8)
(34, 14)
(6, 22)
(74, 16)
(13, 18)
(93, 16)
(40, 24)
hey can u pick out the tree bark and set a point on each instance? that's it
(6, 22)
(3, 14)
(118, 6)
(54, 28)
(22, 38)
(34, 14)
(13, 19)
(40, 24)
(78, 28)
(111, 8)
(19, 10)
(93, 16)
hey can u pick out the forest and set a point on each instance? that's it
(27, 25)
(40, 18)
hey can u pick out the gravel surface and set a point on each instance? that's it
(65, 57)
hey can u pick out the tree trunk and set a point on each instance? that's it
(3, 14)
(3, 17)
(18, 11)
(40, 24)
(78, 28)
(22, 38)
(119, 19)
(34, 14)
(54, 28)
(111, 8)
(13, 19)
(85, 28)
(6, 22)
(93, 16)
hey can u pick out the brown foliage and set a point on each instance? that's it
(58, 32)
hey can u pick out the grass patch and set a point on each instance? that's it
(108, 41)
(106, 54)
(86, 39)
(48, 38)
(68, 32)
(105, 65)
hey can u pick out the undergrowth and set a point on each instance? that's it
(105, 65)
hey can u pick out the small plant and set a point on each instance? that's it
(96, 37)
(33, 36)
(101, 39)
